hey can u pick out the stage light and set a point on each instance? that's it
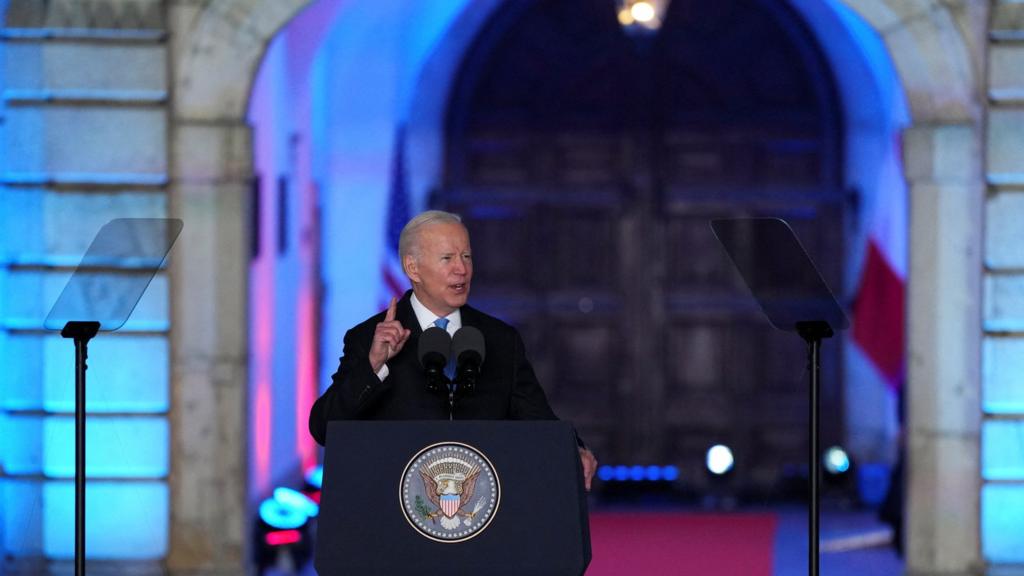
(839, 472)
(836, 461)
(641, 17)
(720, 492)
(670, 473)
(282, 532)
(642, 12)
(719, 460)
(653, 473)
(315, 477)
(621, 473)
(636, 473)
(626, 17)
(281, 517)
(282, 537)
(297, 500)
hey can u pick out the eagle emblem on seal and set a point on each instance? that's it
(449, 482)
(449, 492)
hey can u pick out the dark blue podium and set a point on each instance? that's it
(442, 497)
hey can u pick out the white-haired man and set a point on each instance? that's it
(379, 376)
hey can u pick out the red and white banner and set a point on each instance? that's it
(879, 310)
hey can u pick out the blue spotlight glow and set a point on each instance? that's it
(297, 500)
(836, 461)
(281, 516)
(636, 473)
(653, 473)
(621, 473)
(670, 473)
(315, 477)
(719, 459)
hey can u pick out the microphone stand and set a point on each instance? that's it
(466, 374)
(451, 399)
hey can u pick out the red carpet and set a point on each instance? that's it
(681, 543)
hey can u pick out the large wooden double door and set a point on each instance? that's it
(587, 165)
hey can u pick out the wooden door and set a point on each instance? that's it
(587, 165)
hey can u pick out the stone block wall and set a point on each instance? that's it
(1002, 401)
(83, 140)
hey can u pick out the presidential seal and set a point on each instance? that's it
(449, 492)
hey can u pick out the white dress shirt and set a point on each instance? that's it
(426, 320)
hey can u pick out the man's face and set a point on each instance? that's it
(442, 272)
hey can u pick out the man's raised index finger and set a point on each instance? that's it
(390, 315)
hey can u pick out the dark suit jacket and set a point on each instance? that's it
(507, 388)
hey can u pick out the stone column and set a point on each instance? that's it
(943, 168)
(216, 47)
(210, 193)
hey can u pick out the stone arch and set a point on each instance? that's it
(930, 43)
(216, 49)
(219, 49)
(938, 51)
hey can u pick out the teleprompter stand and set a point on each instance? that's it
(101, 295)
(81, 332)
(795, 298)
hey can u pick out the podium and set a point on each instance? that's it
(443, 497)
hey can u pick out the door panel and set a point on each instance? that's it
(587, 166)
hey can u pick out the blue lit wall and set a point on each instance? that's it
(46, 229)
(4, 513)
(332, 89)
(1002, 396)
(127, 401)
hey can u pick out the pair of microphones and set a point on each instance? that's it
(437, 348)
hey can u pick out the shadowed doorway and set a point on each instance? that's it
(587, 164)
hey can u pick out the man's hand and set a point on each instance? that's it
(589, 466)
(388, 338)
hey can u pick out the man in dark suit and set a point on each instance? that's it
(379, 376)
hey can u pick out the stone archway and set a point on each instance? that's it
(938, 51)
(215, 50)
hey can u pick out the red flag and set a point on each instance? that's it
(879, 309)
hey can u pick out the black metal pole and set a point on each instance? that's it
(813, 332)
(82, 332)
(814, 516)
(81, 355)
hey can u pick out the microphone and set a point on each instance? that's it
(469, 351)
(434, 347)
